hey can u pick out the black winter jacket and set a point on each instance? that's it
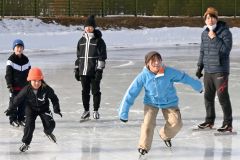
(214, 53)
(17, 71)
(91, 53)
(38, 102)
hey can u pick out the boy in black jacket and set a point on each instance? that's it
(36, 96)
(91, 56)
(16, 78)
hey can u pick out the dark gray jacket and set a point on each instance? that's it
(214, 53)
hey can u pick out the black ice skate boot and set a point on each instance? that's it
(85, 115)
(14, 123)
(52, 138)
(96, 115)
(168, 143)
(24, 147)
(22, 123)
(206, 125)
(225, 128)
(142, 151)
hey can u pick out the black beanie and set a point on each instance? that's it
(149, 55)
(90, 21)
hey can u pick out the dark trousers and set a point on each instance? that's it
(20, 115)
(217, 83)
(31, 115)
(89, 82)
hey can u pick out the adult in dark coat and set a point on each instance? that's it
(216, 44)
(91, 56)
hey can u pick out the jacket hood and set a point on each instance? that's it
(97, 33)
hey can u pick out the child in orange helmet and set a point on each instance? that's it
(36, 96)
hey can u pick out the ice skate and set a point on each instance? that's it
(14, 123)
(85, 116)
(96, 115)
(168, 143)
(143, 153)
(226, 129)
(21, 123)
(24, 147)
(206, 125)
(52, 138)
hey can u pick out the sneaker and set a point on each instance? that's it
(96, 115)
(24, 147)
(168, 143)
(206, 125)
(85, 115)
(225, 128)
(52, 137)
(22, 123)
(142, 151)
(14, 123)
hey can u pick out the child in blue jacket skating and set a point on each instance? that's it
(160, 93)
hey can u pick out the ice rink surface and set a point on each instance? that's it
(108, 138)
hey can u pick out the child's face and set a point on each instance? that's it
(89, 29)
(210, 20)
(18, 50)
(155, 64)
(36, 84)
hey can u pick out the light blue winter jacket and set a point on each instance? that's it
(159, 90)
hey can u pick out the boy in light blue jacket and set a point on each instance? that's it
(160, 93)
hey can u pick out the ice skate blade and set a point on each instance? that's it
(224, 133)
(142, 157)
(206, 129)
(84, 120)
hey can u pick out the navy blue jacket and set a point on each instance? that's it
(214, 53)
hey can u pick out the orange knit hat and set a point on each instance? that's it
(212, 11)
(35, 74)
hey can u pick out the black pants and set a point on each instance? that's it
(89, 82)
(217, 82)
(20, 115)
(31, 115)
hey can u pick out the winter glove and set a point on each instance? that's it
(60, 114)
(98, 75)
(56, 110)
(77, 76)
(9, 112)
(199, 72)
(125, 121)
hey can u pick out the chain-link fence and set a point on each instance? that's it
(50, 8)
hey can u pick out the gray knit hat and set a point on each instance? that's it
(149, 55)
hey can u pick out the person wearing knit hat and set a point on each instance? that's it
(90, 21)
(158, 81)
(36, 96)
(17, 69)
(89, 65)
(216, 45)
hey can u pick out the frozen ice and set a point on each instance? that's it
(108, 138)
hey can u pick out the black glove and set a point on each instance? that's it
(59, 113)
(9, 112)
(125, 121)
(199, 72)
(77, 76)
(98, 75)
(56, 110)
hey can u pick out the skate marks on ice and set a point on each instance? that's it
(225, 133)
